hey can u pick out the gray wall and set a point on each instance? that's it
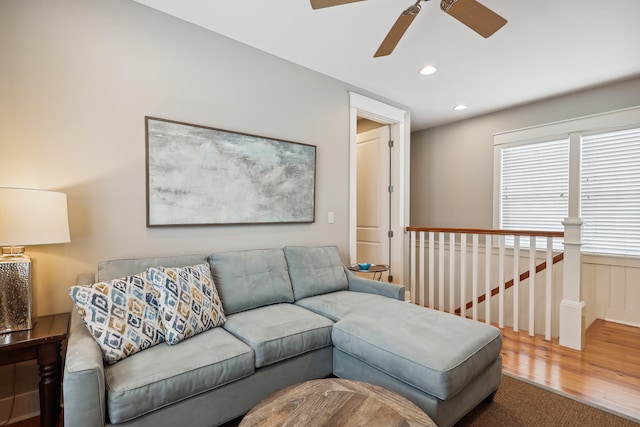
(452, 165)
(77, 78)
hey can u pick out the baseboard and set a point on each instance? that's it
(624, 321)
(27, 405)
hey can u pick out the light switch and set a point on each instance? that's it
(330, 218)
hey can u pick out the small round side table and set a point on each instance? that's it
(375, 269)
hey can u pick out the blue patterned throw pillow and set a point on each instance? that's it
(122, 315)
(189, 301)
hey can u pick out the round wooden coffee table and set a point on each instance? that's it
(335, 402)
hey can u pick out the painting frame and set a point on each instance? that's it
(199, 175)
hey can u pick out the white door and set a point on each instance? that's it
(373, 198)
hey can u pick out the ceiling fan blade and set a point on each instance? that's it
(397, 31)
(474, 15)
(319, 4)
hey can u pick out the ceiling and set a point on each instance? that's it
(547, 48)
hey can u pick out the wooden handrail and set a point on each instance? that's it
(509, 284)
(536, 233)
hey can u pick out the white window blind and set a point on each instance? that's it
(610, 193)
(534, 187)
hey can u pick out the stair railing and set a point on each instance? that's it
(464, 254)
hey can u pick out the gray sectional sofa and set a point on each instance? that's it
(292, 315)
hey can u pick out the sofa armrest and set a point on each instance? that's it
(361, 284)
(84, 383)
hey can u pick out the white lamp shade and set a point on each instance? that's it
(33, 217)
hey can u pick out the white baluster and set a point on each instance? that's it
(452, 272)
(431, 270)
(548, 290)
(414, 260)
(532, 285)
(463, 275)
(516, 281)
(487, 279)
(501, 282)
(474, 277)
(441, 271)
(422, 289)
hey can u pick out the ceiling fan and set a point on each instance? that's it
(474, 15)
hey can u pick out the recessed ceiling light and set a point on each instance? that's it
(428, 70)
(460, 107)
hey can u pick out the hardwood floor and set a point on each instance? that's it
(606, 372)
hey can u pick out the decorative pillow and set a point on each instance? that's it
(189, 301)
(122, 315)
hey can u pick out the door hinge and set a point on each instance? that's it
(390, 234)
(391, 143)
(391, 189)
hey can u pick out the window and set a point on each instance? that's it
(534, 178)
(610, 194)
(535, 186)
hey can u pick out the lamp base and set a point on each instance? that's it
(17, 311)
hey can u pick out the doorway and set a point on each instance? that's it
(398, 211)
(373, 193)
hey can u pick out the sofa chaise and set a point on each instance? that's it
(290, 315)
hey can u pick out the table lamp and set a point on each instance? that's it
(27, 217)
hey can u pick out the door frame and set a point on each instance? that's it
(362, 106)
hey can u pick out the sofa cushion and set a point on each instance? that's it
(122, 315)
(433, 351)
(281, 331)
(108, 270)
(336, 305)
(189, 302)
(164, 375)
(315, 270)
(250, 279)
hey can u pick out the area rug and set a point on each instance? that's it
(518, 403)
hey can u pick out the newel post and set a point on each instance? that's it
(572, 322)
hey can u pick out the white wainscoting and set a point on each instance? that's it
(611, 289)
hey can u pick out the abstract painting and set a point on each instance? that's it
(198, 175)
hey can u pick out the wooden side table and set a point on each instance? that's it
(336, 402)
(44, 343)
